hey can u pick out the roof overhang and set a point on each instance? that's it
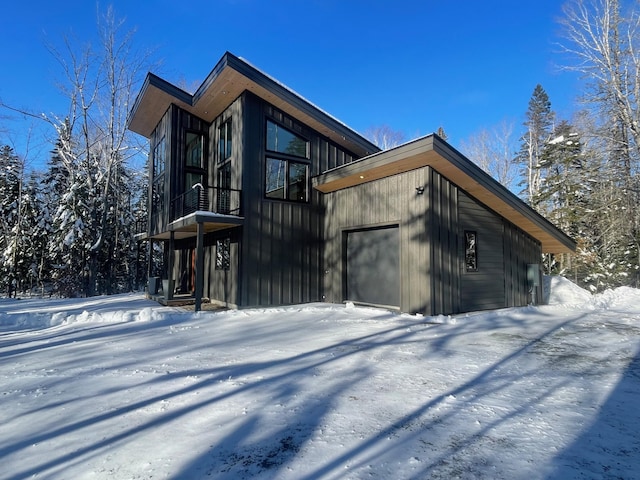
(226, 82)
(434, 152)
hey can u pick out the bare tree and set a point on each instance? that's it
(602, 42)
(493, 150)
(384, 136)
(92, 141)
(604, 46)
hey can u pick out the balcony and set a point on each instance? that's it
(212, 207)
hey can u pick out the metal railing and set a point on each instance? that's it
(224, 201)
(141, 225)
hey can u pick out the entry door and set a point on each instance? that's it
(373, 266)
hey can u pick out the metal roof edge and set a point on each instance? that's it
(488, 182)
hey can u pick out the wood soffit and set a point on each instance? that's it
(431, 151)
(226, 82)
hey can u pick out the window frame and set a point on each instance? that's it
(225, 140)
(159, 158)
(470, 251)
(279, 127)
(287, 184)
(223, 254)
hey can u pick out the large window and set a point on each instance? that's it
(193, 151)
(159, 158)
(224, 141)
(282, 140)
(157, 185)
(286, 180)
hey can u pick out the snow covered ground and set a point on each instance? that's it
(119, 387)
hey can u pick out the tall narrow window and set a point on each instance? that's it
(159, 158)
(194, 175)
(224, 141)
(193, 151)
(157, 186)
(470, 251)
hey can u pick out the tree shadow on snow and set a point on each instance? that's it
(610, 446)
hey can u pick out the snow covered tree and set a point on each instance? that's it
(92, 150)
(11, 180)
(33, 270)
(602, 42)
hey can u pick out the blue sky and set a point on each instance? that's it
(411, 65)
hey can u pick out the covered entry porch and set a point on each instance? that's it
(191, 226)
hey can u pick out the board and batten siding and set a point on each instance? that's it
(223, 285)
(485, 288)
(281, 243)
(504, 251)
(385, 202)
(520, 250)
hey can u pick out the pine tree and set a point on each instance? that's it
(11, 177)
(539, 122)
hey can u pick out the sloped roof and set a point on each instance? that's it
(228, 79)
(434, 152)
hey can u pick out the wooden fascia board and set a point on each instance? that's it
(433, 152)
(228, 79)
(153, 100)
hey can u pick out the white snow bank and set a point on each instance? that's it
(16, 314)
(565, 292)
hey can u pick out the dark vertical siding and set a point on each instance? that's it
(223, 285)
(158, 220)
(389, 201)
(444, 265)
(520, 250)
(281, 245)
(484, 289)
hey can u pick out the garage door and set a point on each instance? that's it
(373, 266)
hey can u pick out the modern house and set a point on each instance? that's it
(261, 198)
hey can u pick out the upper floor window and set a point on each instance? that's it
(282, 140)
(286, 180)
(224, 141)
(193, 151)
(159, 157)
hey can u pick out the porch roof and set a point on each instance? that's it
(434, 152)
(187, 226)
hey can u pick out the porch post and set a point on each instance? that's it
(199, 267)
(172, 256)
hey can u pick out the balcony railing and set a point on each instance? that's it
(224, 201)
(141, 225)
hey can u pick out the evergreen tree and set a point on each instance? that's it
(11, 173)
(539, 123)
(35, 230)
